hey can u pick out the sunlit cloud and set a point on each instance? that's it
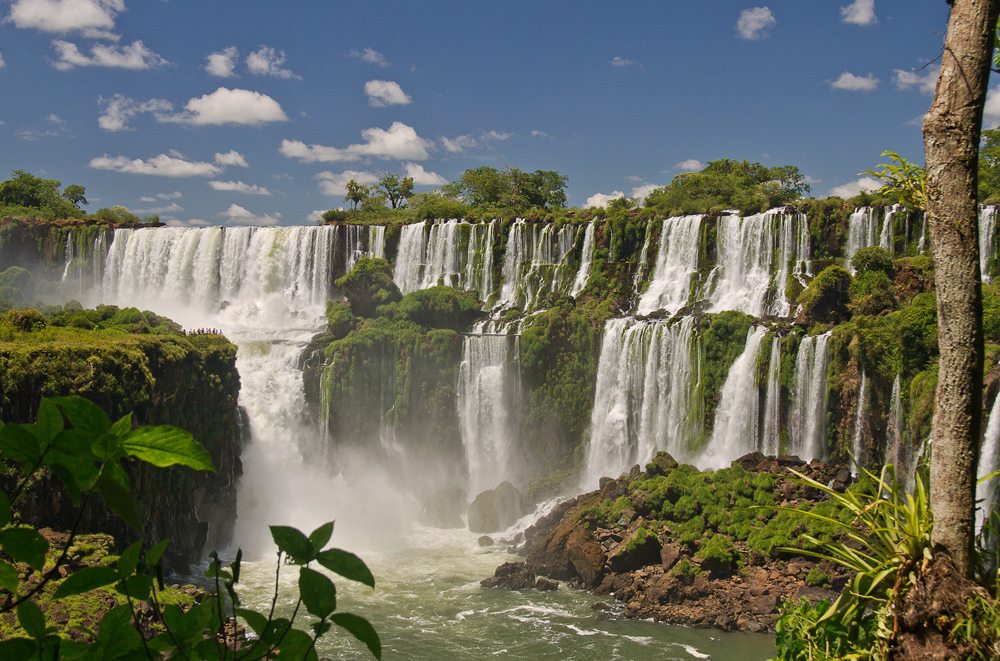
(222, 63)
(371, 56)
(848, 81)
(239, 216)
(923, 83)
(239, 187)
(335, 183)
(496, 135)
(93, 19)
(690, 165)
(622, 62)
(118, 110)
(134, 56)
(230, 106)
(854, 187)
(422, 177)
(859, 12)
(383, 93)
(232, 157)
(266, 61)
(755, 23)
(601, 199)
(459, 144)
(160, 166)
(173, 207)
(399, 141)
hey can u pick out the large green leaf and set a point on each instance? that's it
(85, 580)
(120, 501)
(18, 649)
(129, 560)
(347, 565)
(296, 646)
(320, 537)
(292, 543)
(8, 577)
(318, 592)
(31, 618)
(360, 629)
(17, 442)
(83, 414)
(255, 620)
(49, 421)
(165, 446)
(25, 545)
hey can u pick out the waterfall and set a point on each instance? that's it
(793, 258)
(988, 492)
(676, 262)
(862, 232)
(586, 260)
(886, 238)
(738, 414)
(536, 263)
(899, 451)
(641, 268)
(857, 442)
(771, 438)
(987, 241)
(488, 401)
(645, 395)
(807, 418)
(452, 253)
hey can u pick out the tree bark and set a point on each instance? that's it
(951, 142)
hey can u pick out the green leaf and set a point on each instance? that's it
(292, 543)
(85, 580)
(18, 649)
(138, 586)
(153, 555)
(236, 564)
(25, 545)
(360, 628)
(18, 443)
(320, 537)
(254, 620)
(83, 414)
(119, 500)
(8, 577)
(116, 634)
(123, 425)
(31, 618)
(165, 446)
(129, 560)
(297, 646)
(347, 565)
(318, 592)
(49, 421)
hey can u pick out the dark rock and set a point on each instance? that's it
(486, 540)
(511, 576)
(545, 585)
(497, 509)
(669, 555)
(445, 508)
(661, 464)
(637, 549)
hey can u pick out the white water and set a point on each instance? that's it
(676, 262)
(899, 449)
(987, 239)
(862, 232)
(450, 253)
(586, 259)
(988, 492)
(807, 418)
(738, 414)
(772, 404)
(536, 263)
(857, 442)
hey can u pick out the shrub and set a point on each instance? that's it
(825, 299)
(872, 259)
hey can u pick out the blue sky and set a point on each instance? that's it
(258, 111)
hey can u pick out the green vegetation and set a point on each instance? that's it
(27, 195)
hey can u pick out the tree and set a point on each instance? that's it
(905, 181)
(394, 189)
(75, 195)
(951, 140)
(356, 193)
(479, 187)
(511, 188)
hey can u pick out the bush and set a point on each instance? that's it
(872, 259)
(871, 293)
(825, 299)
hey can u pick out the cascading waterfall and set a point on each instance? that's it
(451, 253)
(988, 492)
(771, 437)
(857, 442)
(676, 262)
(536, 263)
(488, 401)
(641, 268)
(792, 256)
(738, 414)
(586, 259)
(645, 395)
(899, 450)
(987, 241)
(807, 418)
(862, 232)
(885, 239)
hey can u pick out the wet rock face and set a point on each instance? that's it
(511, 576)
(497, 509)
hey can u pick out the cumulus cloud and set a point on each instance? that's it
(176, 195)
(371, 56)
(541, 134)
(641, 192)
(239, 187)
(848, 81)
(601, 199)
(617, 61)
(924, 83)
(194, 222)
(335, 183)
(173, 207)
(164, 165)
(266, 61)
(991, 111)
(496, 135)
(2, 63)
(222, 63)
(230, 106)
(398, 141)
(118, 110)
(690, 165)
(232, 157)
(852, 188)
(94, 19)
(755, 23)
(422, 177)
(134, 56)
(383, 93)
(239, 216)
(458, 144)
(859, 12)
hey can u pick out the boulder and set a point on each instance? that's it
(511, 576)
(486, 540)
(497, 509)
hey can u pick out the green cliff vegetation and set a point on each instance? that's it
(26, 196)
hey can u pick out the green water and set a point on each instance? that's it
(428, 605)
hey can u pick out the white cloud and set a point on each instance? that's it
(848, 81)
(398, 141)
(118, 110)
(173, 207)
(160, 166)
(458, 144)
(222, 63)
(617, 61)
(334, 183)
(231, 157)
(542, 134)
(601, 200)
(755, 23)
(194, 222)
(496, 135)
(226, 106)
(134, 56)
(57, 127)
(239, 187)
(991, 111)
(422, 177)
(383, 93)
(859, 12)
(266, 61)
(640, 192)
(2, 63)
(94, 19)
(176, 195)
(371, 56)
(852, 188)
(240, 216)
(690, 165)
(923, 83)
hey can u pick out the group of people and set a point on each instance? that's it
(204, 331)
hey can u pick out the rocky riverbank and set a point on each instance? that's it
(679, 546)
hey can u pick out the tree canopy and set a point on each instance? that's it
(510, 188)
(25, 193)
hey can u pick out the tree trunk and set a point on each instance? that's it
(951, 142)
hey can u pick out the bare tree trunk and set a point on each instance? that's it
(951, 142)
